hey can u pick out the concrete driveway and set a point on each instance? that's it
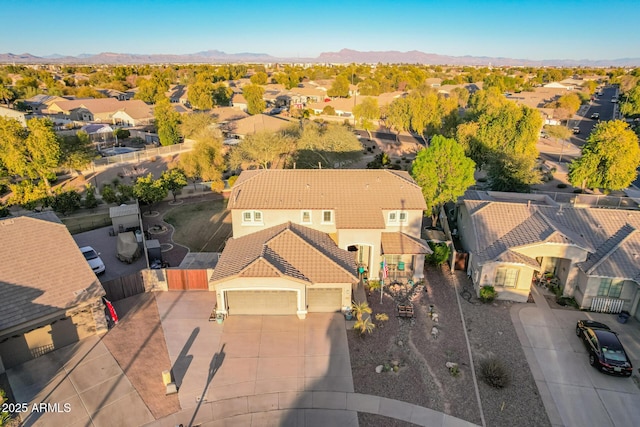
(105, 244)
(574, 393)
(84, 385)
(250, 355)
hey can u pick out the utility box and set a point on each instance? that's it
(153, 251)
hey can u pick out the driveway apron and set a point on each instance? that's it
(574, 393)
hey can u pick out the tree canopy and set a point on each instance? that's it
(328, 145)
(174, 180)
(167, 123)
(260, 150)
(366, 113)
(149, 191)
(610, 158)
(254, 95)
(443, 171)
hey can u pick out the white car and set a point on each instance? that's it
(93, 258)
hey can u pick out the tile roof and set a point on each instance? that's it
(357, 196)
(288, 250)
(399, 243)
(42, 271)
(609, 235)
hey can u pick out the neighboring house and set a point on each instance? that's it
(238, 101)
(284, 269)
(178, 94)
(116, 94)
(41, 102)
(594, 253)
(376, 214)
(49, 296)
(558, 85)
(107, 110)
(20, 116)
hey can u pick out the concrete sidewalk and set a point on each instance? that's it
(305, 409)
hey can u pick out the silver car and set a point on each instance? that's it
(93, 258)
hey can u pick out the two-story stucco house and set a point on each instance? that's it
(369, 215)
(593, 253)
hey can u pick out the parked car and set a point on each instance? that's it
(606, 352)
(595, 116)
(93, 258)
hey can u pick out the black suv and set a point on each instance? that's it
(605, 350)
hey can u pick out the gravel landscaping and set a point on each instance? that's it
(422, 377)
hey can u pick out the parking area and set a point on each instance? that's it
(105, 245)
(251, 355)
(574, 392)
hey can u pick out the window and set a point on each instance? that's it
(252, 218)
(306, 217)
(327, 217)
(507, 277)
(609, 288)
(397, 217)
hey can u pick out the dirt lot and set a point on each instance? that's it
(202, 226)
(423, 378)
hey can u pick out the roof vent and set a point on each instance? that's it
(308, 186)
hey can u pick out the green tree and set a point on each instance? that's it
(330, 145)
(76, 151)
(260, 149)
(149, 191)
(167, 122)
(254, 95)
(630, 106)
(339, 88)
(222, 94)
(200, 95)
(259, 78)
(32, 153)
(502, 136)
(366, 112)
(174, 180)
(558, 133)
(120, 134)
(443, 172)
(205, 161)
(67, 202)
(610, 158)
(194, 123)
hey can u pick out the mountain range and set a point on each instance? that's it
(344, 56)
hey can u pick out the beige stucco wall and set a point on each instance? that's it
(587, 288)
(273, 217)
(412, 227)
(486, 277)
(465, 229)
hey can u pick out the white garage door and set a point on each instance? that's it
(261, 302)
(324, 300)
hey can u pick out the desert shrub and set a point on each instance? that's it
(494, 373)
(124, 193)
(440, 255)
(487, 294)
(90, 200)
(382, 317)
(232, 180)
(109, 194)
(578, 191)
(562, 185)
(67, 202)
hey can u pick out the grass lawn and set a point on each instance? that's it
(81, 223)
(202, 227)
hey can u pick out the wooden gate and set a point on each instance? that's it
(181, 280)
(124, 287)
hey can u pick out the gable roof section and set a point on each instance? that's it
(357, 196)
(616, 257)
(399, 243)
(286, 250)
(42, 271)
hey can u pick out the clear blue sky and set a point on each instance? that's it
(543, 29)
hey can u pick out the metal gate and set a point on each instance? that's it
(182, 280)
(606, 305)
